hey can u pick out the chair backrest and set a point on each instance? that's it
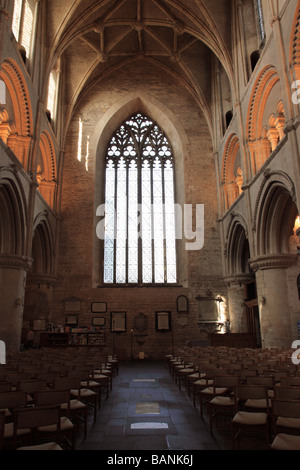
(290, 381)
(228, 381)
(34, 417)
(67, 383)
(31, 386)
(13, 399)
(211, 373)
(268, 381)
(16, 377)
(285, 408)
(245, 392)
(51, 397)
(288, 393)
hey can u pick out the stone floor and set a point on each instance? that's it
(146, 411)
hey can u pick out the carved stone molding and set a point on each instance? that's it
(15, 262)
(238, 279)
(279, 261)
(41, 279)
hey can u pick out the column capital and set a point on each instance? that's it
(43, 279)
(238, 279)
(273, 261)
(11, 261)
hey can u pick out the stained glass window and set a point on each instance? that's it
(139, 239)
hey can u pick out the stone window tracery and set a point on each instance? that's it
(139, 240)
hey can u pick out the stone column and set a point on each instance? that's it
(273, 299)
(13, 271)
(236, 302)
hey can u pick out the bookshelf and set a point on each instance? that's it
(73, 338)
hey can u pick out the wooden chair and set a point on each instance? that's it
(250, 422)
(206, 381)
(285, 416)
(222, 404)
(84, 395)
(72, 408)
(33, 419)
(9, 401)
(63, 399)
(222, 385)
(267, 381)
(30, 387)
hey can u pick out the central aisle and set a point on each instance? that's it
(146, 411)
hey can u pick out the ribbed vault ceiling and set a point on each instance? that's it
(95, 38)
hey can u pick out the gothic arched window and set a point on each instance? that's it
(23, 23)
(139, 239)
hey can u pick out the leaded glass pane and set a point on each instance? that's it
(27, 27)
(17, 18)
(158, 223)
(133, 223)
(109, 224)
(146, 223)
(170, 223)
(121, 214)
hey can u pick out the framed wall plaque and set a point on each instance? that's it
(99, 321)
(118, 321)
(182, 304)
(99, 307)
(163, 321)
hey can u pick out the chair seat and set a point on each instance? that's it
(46, 446)
(203, 382)
(249, 418)
(222, 401)
(6, 412)
(196, 375)
(288, 422)
(186, 371)
(286, 442)
(9, 431)
(83, 392)
(100, 376)
(65, 425)
(215, 391)
(90, 383)
(74, 405)
(257, 403)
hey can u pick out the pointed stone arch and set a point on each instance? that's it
(275, 213)
(238, 251)
(294, 57)
(18, 131)
(232, 175)
(99, 141)
(47, 169)
(13, 214)
(262, 143)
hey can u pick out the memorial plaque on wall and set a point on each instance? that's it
(208, 310)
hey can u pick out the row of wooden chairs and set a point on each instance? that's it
(258, 396)
(49, 382)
